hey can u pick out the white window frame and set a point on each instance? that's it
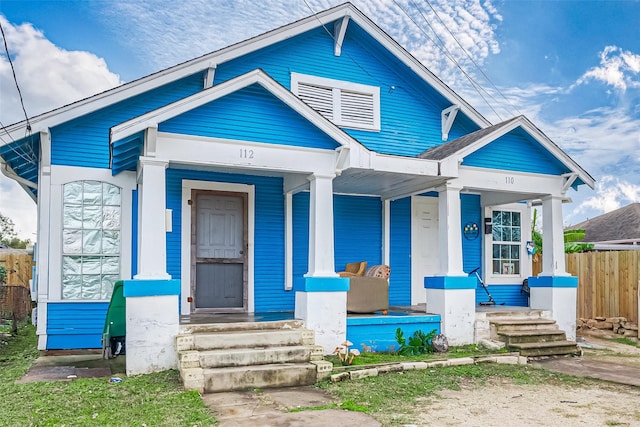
(338, 86)
(61, 175)
(525, 235)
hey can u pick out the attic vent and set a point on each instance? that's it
(346, 104)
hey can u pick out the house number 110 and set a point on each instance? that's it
(246, 154)
(509, 180)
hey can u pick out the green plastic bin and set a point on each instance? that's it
(115, 324)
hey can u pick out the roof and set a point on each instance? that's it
(621, 224)
(472, 142)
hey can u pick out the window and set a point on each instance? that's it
(346, 104)
(507, 238)
(90, 240)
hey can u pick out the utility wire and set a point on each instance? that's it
(446, 52)
(15, 80)
(470, 57)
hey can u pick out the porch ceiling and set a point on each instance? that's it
(388, 185)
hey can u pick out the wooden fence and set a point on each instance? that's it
(18, 265)
(608, 283)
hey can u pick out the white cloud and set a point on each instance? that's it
(48, 76)
(611, 193)
(618, 68)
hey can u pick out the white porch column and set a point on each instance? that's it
(450, 234)
(452, 294)
(321, 255)
(321, 299)
(553, 263)
(152, 257)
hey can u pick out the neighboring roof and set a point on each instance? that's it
(101, 100)
(620, 225)
(472, 142)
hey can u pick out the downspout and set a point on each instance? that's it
(9, 173)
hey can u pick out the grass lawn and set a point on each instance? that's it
(145, 400)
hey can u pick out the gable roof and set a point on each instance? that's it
(128, 130)
(461, 147)
(619, 225)
(211, 60)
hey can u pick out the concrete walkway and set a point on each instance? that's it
(270, 407)
(581, 367)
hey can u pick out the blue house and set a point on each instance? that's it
(242, 180)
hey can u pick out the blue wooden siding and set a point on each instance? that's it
(251, 114)
(85, 140)
(378, 332)
(516, 151)
(75, 325)
(400, 257)
(508, 294)
(357, 231)
(269, 234)
(471, 249)
(410, 109)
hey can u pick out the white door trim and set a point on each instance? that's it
(185, 234)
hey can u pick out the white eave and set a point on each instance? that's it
(211, 60)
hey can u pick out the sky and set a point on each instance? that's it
(572, 67)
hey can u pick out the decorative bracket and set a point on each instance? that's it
(448, 116)
(570, 179)
(208, 76)
(339, 31)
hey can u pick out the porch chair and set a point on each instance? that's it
(368, 288)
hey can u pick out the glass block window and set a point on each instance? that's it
(91, 238)
(506, 242)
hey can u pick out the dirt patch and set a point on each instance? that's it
(508, 404)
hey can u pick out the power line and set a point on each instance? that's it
(470, 57)
(15, 80)
(446, 52)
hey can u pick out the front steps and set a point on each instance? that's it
(531, 335)
(237, 356)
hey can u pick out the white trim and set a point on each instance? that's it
(526, 183)
(386, 232)
(338, 86)
(41, 328)
(525, 235)
(205, 151)
(185, 236)
(288, 246)
(61, 175)
(340, 30)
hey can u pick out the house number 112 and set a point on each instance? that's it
(246, 154)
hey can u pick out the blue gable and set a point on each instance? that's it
(251, 114)
(85, 141)
(410, 108)
(516, 151)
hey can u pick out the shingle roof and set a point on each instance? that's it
(447, 149)
(621, 224)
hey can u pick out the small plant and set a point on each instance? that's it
(419, 343)
(3, 275)
(345, 355)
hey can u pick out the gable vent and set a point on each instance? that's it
(346, 104)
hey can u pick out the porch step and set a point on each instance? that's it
(551, 348)
(533, 337)
(506, 325)
(262, 376)
(247, 356)
(538, 335)
(236, 356)
(251, 339)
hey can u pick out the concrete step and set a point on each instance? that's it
(520, 314)
(539, 335)
(505, 325)
(246, 356)
(552, 348)
(241, 326)
(244, 339)
(259, 376)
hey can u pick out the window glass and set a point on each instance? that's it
(506, 235)
(90, 240)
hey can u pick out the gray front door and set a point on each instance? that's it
(219, 244)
